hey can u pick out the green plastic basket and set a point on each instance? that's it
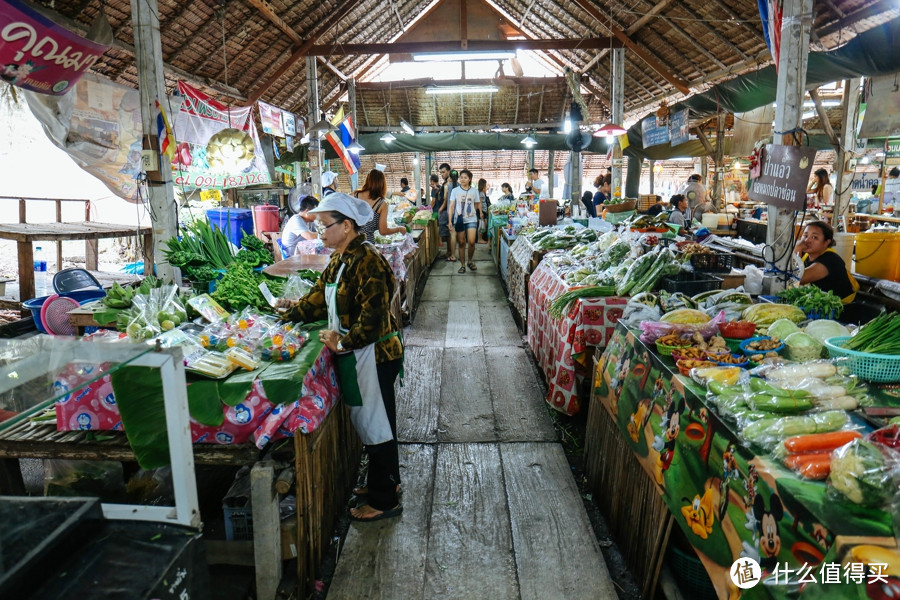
(879, 368)
(733, 344)
(692, 578)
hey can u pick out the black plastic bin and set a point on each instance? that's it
(690, 284)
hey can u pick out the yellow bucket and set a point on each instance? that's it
(878, 255)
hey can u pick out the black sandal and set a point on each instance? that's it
(472, 266)
(462, 269)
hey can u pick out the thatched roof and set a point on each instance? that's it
(255, 48)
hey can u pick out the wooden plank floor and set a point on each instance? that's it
(490, 506)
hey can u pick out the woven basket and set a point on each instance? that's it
(879, 368)
(621, 207)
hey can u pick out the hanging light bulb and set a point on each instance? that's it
(355, 147)
(610, 129)
(407, 127)
(388, 137)
(529, 141)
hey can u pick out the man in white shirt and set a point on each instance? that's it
(537, 185)
(301, 226)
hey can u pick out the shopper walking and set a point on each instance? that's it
(443, 202)
(373, 191)
(483, 212)
(464, 208)
(354, 294)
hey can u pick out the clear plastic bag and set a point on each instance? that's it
(652, 330)
(296, 287)
(866, 473)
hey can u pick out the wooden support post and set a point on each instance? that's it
(90, 246)
(266, 529)
(23, 211)
(720, 160)
(315, 154)
(59, 242)
(792, 65)
(618, 113)
(148, 253)
(26, 270)
(850, 117)
(652, 177)
(551, 168)
(151, 85)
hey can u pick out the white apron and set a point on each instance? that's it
(370, 419)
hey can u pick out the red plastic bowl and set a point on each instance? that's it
(737, 330)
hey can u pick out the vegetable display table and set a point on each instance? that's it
(523, 259)
(560, 345)
(729, 502)
(298, 262)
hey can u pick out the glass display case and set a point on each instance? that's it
(37, 372)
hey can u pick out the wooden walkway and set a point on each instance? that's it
(491, 509)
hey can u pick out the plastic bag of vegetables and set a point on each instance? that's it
(865, 473)
(651, 330)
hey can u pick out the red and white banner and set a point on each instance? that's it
(37, 54)
(218, 146)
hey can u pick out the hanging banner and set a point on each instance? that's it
(882, 114)
(892, 152)
(218, 146)
(37, 54)
(652, 134)
(679, 127)
(290, 127)
(270, 117)
(99, 126)
(785, 176)
(751, 127)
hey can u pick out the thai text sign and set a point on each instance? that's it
(892, 151)
(652, 134)
(785, 174)
(218, 146)
(679, 122)
(37, 54)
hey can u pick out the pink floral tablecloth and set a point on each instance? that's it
(256, 419)
(517, 271)
(559, 344)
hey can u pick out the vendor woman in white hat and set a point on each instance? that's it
(354, 295)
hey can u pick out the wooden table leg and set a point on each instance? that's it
(266, 530)
(148, 253)
(26, 271)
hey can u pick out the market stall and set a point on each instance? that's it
(740, 463)
(560, 344)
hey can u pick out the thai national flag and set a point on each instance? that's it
(346, 129)
(770, 12)
(164, 133)
(345, 155)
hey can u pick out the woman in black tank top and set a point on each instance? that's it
(373, 191)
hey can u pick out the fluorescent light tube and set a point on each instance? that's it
(463, 56)
(462, 89)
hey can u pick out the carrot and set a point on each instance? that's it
(811, 466)
(819, 442)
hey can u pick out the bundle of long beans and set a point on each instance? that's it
(881, 335)
(200, 243)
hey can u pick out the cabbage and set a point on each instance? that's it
(798, 339)
(782, 328)
(824, 329)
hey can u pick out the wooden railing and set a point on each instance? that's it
(90, 246)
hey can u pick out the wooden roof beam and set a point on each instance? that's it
(266, 10)
(652, 61)
(633, 28)
(724, 40)
(457, 46)
(738, 19)
(302, 51)
(692, 42)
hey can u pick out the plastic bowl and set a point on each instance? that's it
(747, 351)
(744, 361)
(738, 330)
(36, 304)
